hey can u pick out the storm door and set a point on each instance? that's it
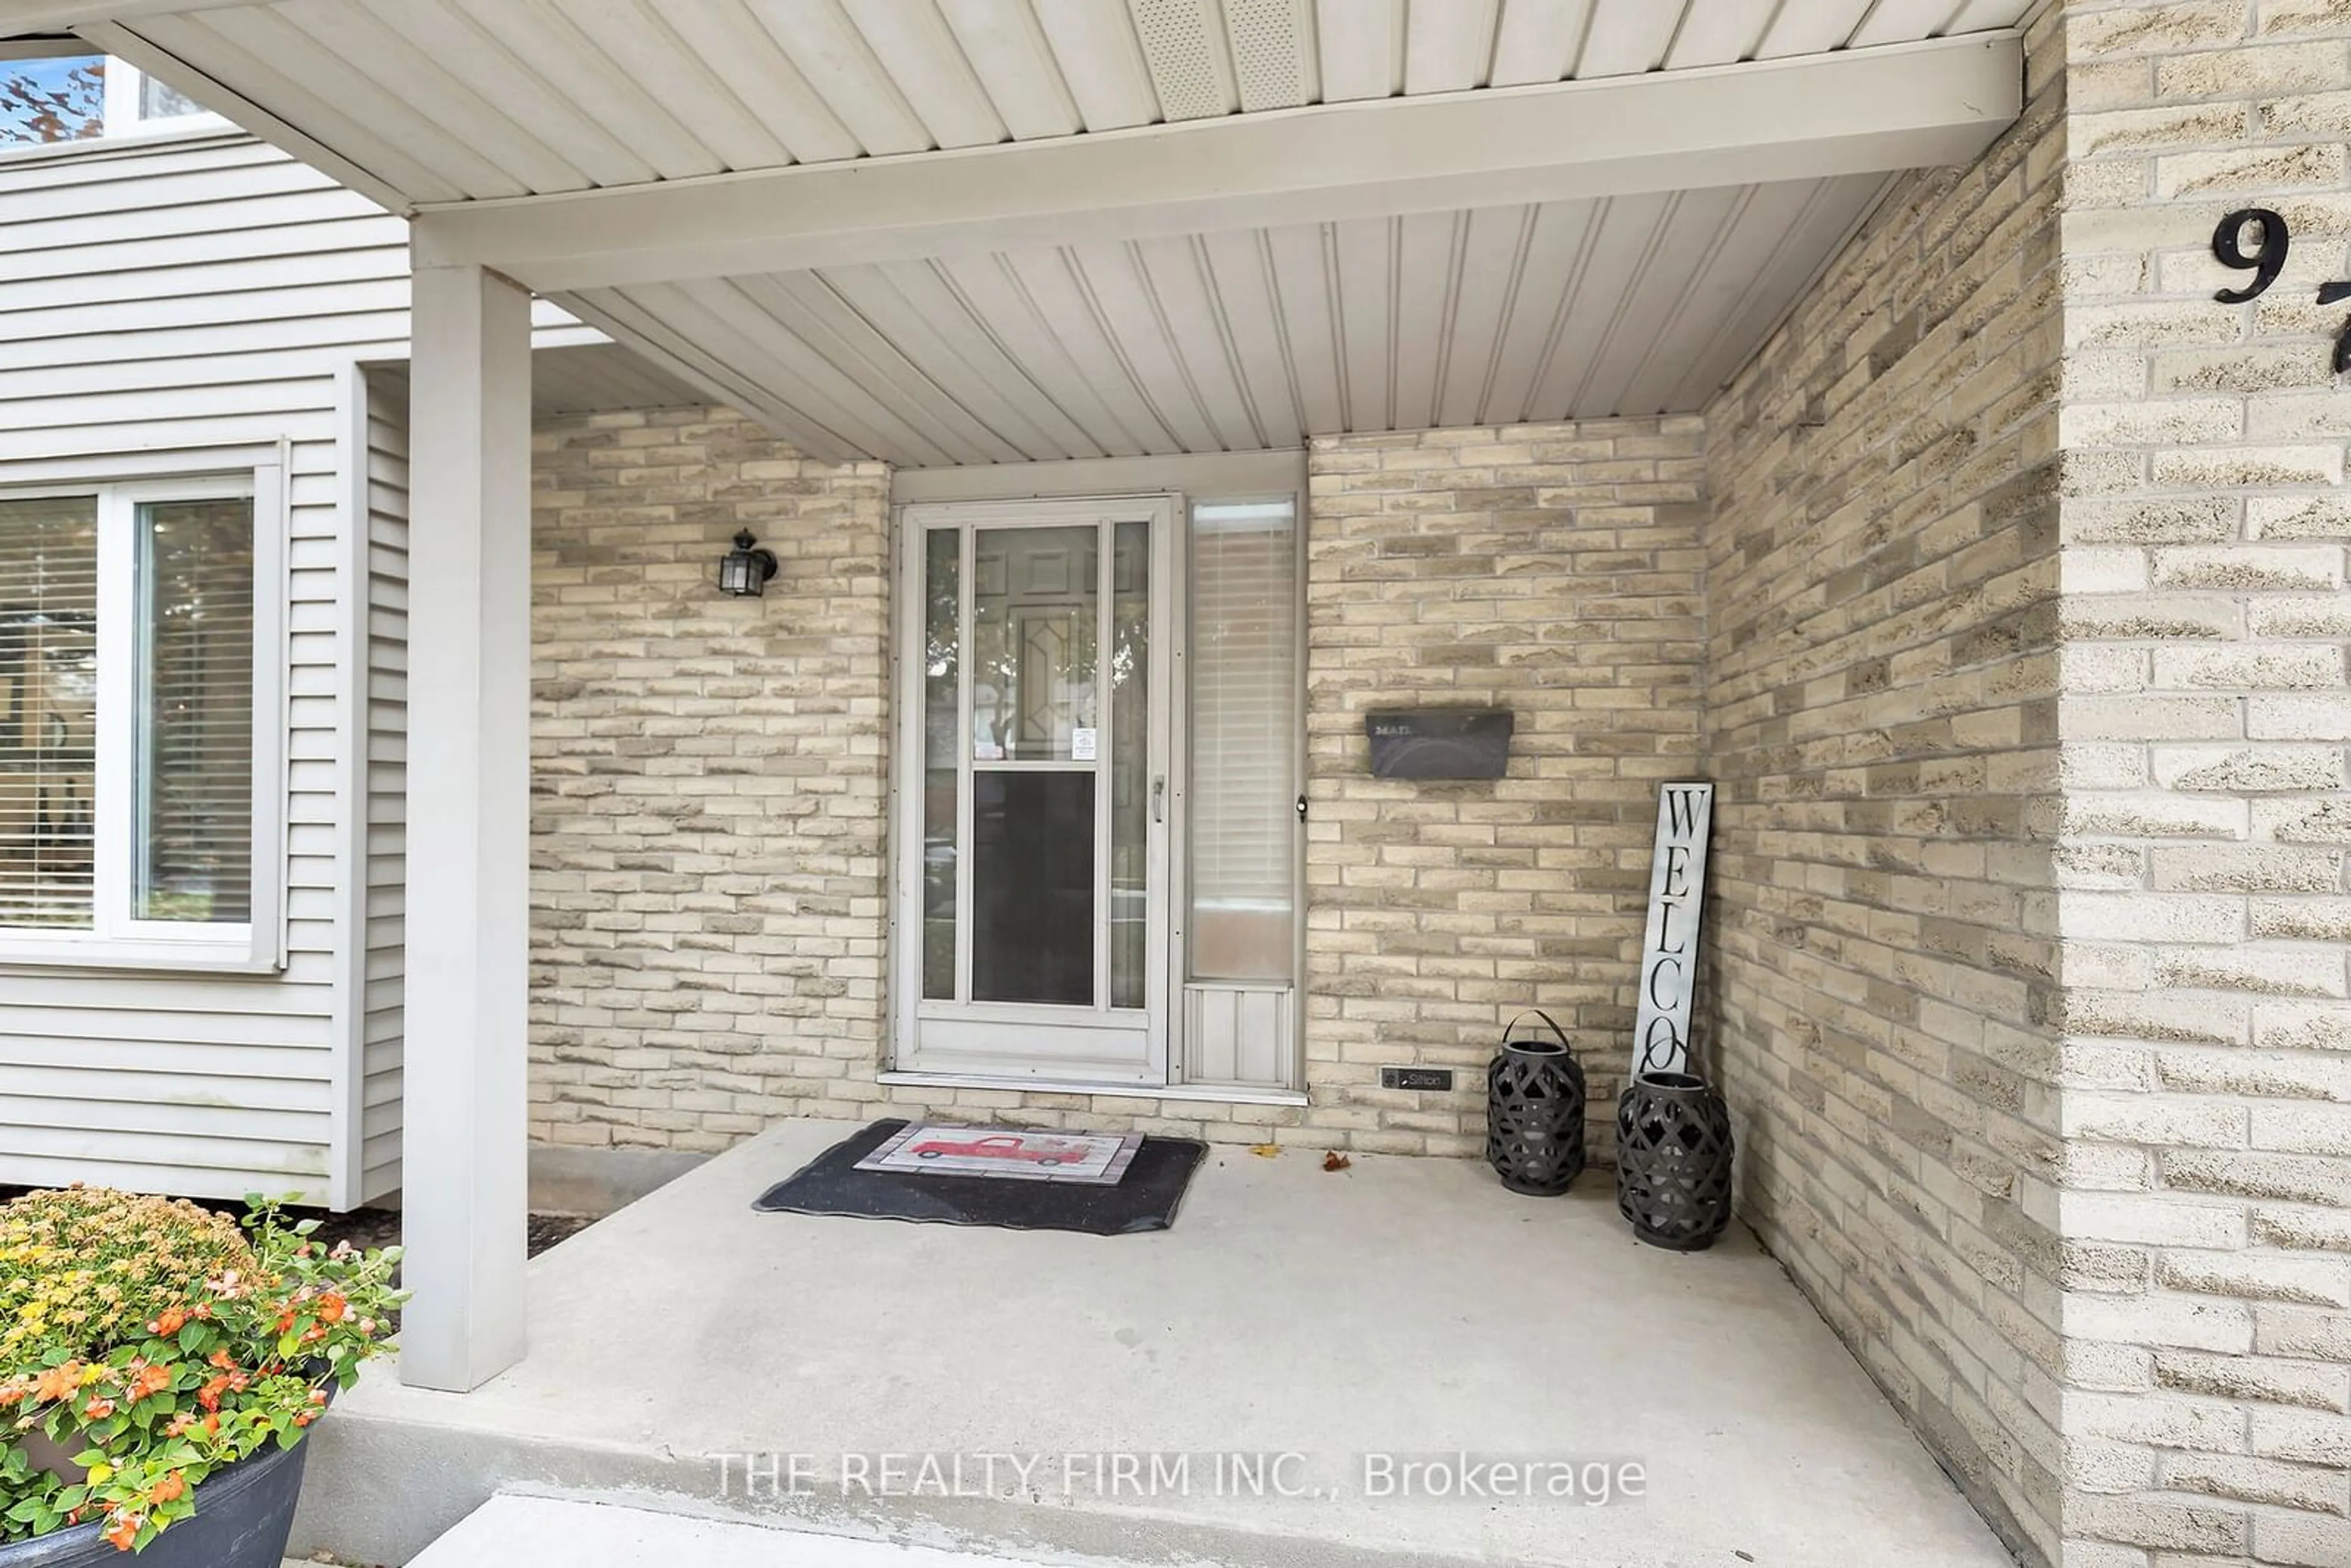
(1036, 805)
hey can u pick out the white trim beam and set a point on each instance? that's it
(1855, 111)
(45, 46)
(347, 1110)
(464, 1172)
(1277, 472)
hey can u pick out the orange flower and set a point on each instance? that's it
(152, 1379)
(58, 1382)
(171, 1488)
(170, 1323)
(332, 1307)
(99, 1408)
(221, 1359)
(122, 1532)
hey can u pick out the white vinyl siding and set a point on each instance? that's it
(195, 295)
(384, 765)
(203, 300)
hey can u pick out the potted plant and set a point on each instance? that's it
(159, 1368)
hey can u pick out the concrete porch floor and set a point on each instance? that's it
(1404, 1307)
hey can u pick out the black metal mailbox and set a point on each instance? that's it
(1440, 743)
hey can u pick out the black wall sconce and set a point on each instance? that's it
(744, 570)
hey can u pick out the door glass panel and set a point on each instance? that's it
(1130, 777)
(1244, 740)
(942, 675)
(1032, 933)
(1036, 609)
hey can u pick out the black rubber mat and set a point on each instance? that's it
(1144, 1200)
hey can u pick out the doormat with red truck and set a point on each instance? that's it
(1006, 1154)
(1020, 1179)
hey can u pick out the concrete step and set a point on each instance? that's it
(516, 1532)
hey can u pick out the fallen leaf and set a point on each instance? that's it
(1335, 1161)
(1265, 1150)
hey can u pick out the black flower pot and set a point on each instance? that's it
(1534, 1113)
(243, 1515)
(1672, 1160)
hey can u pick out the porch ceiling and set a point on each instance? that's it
(1254, 339)
(963, 231)
(458, 100)
(573, 377)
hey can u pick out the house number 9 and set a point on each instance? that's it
(2265, 261)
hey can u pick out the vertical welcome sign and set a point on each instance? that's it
(1669, 947)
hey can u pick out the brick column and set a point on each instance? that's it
(2201, 859)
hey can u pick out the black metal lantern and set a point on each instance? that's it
(1674, 1160)
(746, 568)
(1534, 1113)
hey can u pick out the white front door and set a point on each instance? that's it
(1036, 801)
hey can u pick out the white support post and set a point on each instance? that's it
(465, 1189)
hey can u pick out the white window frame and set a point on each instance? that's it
(124, 82)
(115, 939)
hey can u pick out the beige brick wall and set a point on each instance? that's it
(1881, 723)
(709, 825)
(2059, 1137)
(707, 783)
(709, 835)
(1551, 570)
(2204, 907)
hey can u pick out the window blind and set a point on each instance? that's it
(48, 706)
(195, 760)
(1244, 739)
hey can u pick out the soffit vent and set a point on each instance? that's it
(1183, 43)
(1273, 52)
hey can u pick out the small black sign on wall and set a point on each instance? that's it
(1439, 742)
